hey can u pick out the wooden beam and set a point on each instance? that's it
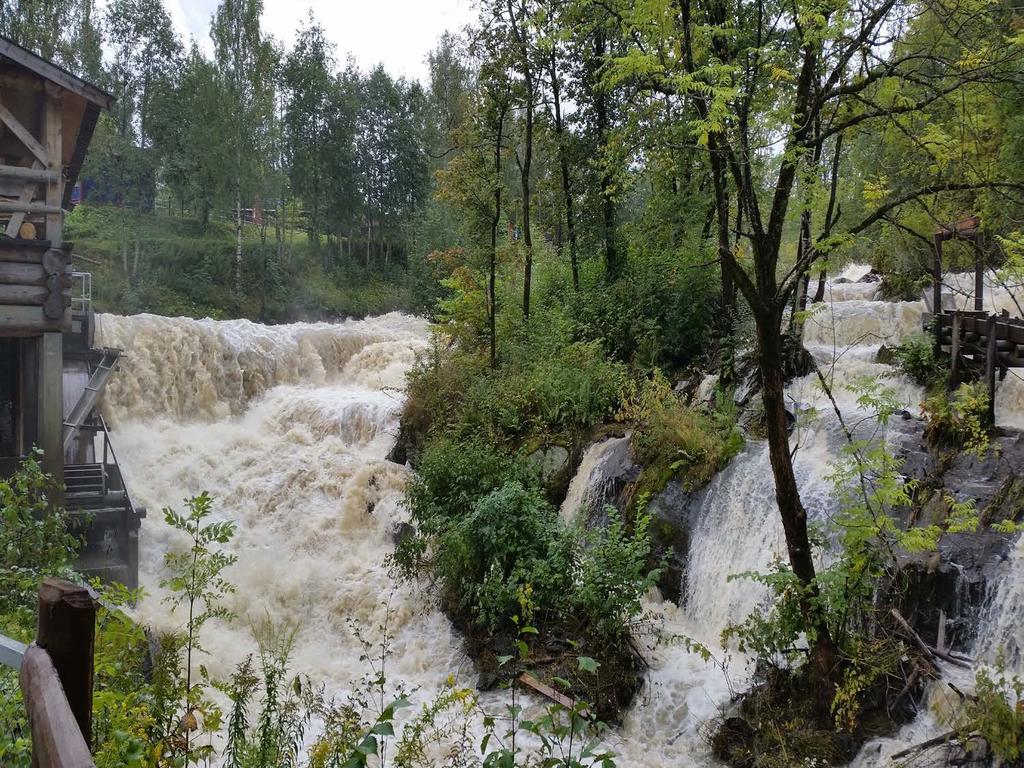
(28, 295)
(37, 174)
(23, 134)
(57, 741)
(546, 690)
(16, 206)
(66, 631)
(954, 354)
(21, 321)
(937, 293)
(990, 368)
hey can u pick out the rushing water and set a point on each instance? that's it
(289, 427)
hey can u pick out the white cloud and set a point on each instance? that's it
(397, 33)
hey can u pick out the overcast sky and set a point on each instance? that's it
(398, 33)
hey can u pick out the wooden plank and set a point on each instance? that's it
(23, 134)
(22, 274)
(21, 173)
(26, 255)
(546, 690)
(979, 283)
(17, 206)
(954, 354)
(66, 631)
(937, 291)
(11, 652)
(990, 368)
(50, 418)
(53, 134)
(28, 295)
(52, 72)
(57, 740)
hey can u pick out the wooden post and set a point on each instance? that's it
(990, 368)
(954, 353)
(937, 294)
(56, 740)
(67, 627)
(979, 281)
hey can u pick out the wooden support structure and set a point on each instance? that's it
(954, 351)
(990, 367)
(965, 229)
(66, 631)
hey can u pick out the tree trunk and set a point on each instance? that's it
(613, 261)
(791, 508)
(570, 219)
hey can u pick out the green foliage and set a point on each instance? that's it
(676, 440)
(196, 582)
(997, 712)
(959, 420)
(916, 358)
(34, 540)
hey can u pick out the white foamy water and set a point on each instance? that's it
(289, 426)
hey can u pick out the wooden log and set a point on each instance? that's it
(22, 173)
(27, 255)
(546, 690)
(17, 320)
(979, 283)
(933, 742)
(22, 274)
(954, 354)
(57, 741)
(990, 368)
(937, 291)
(66, 630)
(26, 295)
(16, 206)
(54, 261)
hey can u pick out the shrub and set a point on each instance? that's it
(673, 439)
(997, 713)
(958, 420)
(916, 358)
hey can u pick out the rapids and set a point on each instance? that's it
(288, 427)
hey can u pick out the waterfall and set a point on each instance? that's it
(287, 427)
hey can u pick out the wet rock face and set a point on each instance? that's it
(954, 580)
(670, 538)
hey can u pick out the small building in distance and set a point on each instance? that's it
(51, 377)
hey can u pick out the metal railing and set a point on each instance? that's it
(81, 291)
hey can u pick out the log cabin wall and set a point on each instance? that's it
(47, 118)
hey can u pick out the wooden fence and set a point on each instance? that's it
(56, 675)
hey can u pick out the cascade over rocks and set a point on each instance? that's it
(956, 580)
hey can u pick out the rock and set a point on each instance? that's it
(401, 532)
(605, 477)
(955, 579)
(550, 460)
(670, 538)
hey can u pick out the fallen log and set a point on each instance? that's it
(930, 651)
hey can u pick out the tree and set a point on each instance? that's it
(308, 80)
(795, 76)
(246, 62)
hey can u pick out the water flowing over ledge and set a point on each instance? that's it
(289, 426)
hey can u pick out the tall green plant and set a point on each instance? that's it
(196, 582)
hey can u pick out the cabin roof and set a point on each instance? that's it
(81, 105)
(55, 73)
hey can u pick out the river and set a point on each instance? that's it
(288, 427)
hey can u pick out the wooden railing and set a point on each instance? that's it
(56, 675)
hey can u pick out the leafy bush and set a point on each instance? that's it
(673, 439)
(959, 420)
(997, 713)
(916, 358)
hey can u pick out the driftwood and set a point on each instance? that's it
(546, 690)
(934, 742)
(930, 651)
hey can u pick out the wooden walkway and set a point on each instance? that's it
(979, 344)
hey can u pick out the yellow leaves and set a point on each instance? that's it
(876, 190)
(780, 74)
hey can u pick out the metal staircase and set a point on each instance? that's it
(90, 396)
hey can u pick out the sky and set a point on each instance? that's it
(397, 33)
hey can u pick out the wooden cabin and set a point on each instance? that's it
(47, 117)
